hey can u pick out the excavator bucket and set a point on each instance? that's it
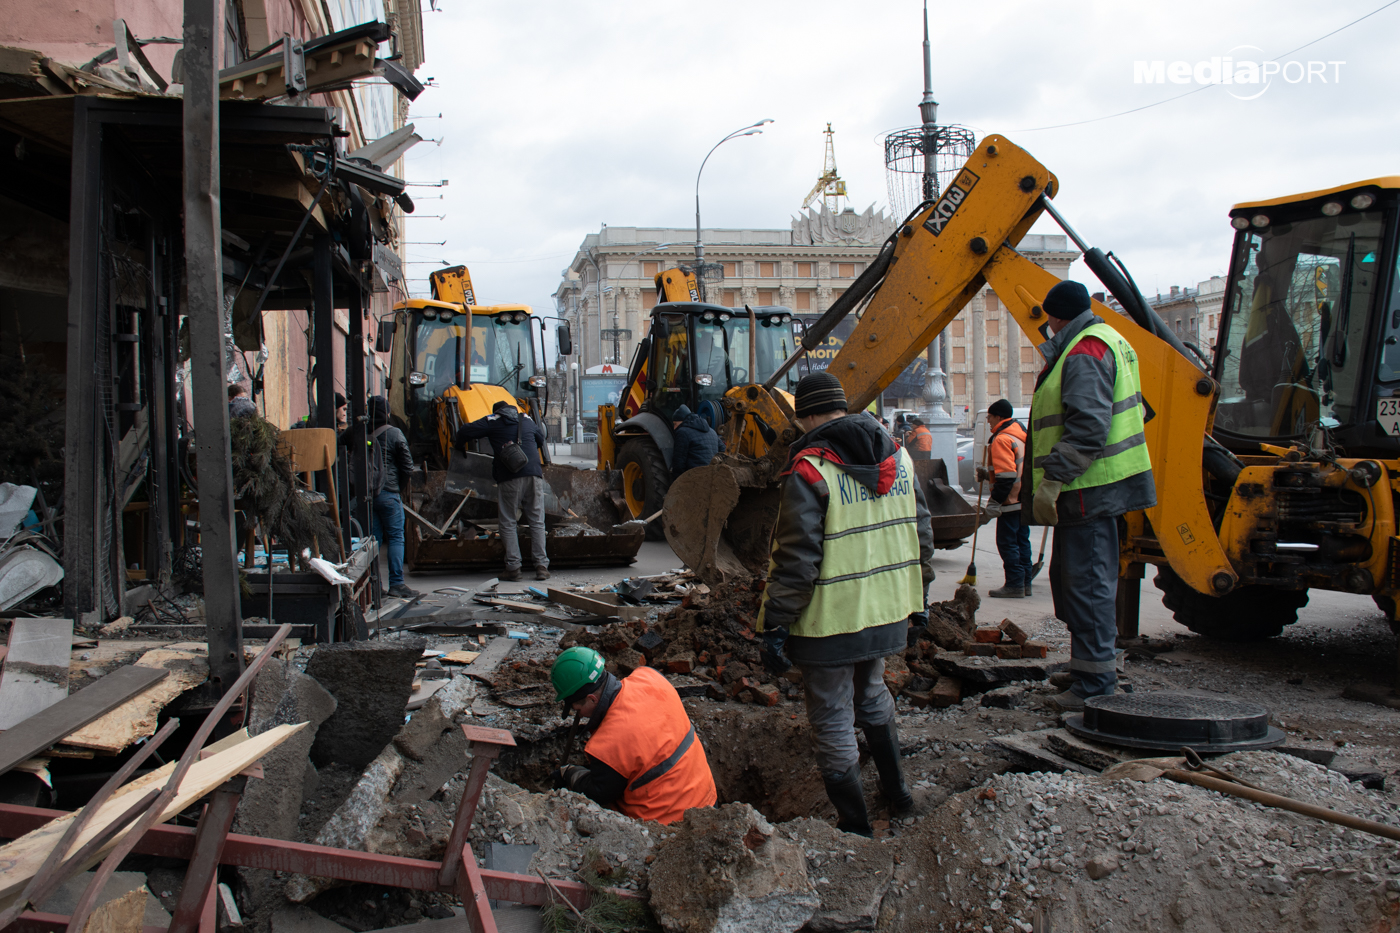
(719, 520)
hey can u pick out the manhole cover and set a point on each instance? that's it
(1171, 720)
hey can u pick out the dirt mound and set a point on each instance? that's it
(1083, 852)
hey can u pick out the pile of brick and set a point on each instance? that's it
(1006, 640)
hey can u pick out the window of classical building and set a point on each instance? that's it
(731, 270)
(648, 299)
(994, 356)
(956, 328)
(768, 270)
(958, 355)
(959, 384)
(731, 297)
(803, 298)
(993, 305)
(804, 270)
(1027, 385)
(1027, 354)
(844, 270)
(993, 326)
(767, 296)
(650, 269)
(994, 386)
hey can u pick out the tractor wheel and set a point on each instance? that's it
(645, 480)
(1247, 613)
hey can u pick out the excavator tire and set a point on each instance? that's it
(645, 480)
(1247, 613)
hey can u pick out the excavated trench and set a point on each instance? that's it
(758, 756)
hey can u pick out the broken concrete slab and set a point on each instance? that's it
(1095, 755)
(852, 875)
(975, 672)
(1032, 756)
(298, 919)
(371, 683)
(439, 714)
(352, 821)
(726, 870)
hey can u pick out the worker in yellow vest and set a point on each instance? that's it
(850, 564)
(1087, 465)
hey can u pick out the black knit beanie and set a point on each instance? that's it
(818, 393)
(1066, 301)
(1001, 408)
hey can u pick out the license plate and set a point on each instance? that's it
(1388, 415)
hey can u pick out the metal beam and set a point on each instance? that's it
(209, 366)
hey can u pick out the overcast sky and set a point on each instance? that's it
(558, 117)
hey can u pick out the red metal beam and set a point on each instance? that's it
(471, 891)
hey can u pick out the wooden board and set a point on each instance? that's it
(461, 657)
(22, 857)
(124, 914)
(597, 607)
(512, 604)
(137, 718)
(491, 658)
(36, 668)
(39, 732)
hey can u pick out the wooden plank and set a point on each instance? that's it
(36, 668)
(39, 732)
(23, 856)
(461, 657)
(137, 717)
(597, 607)
(512, 604)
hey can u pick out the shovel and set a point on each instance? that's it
(1040, 560)
(1149, 769)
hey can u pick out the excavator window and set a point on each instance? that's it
(1298, 315)
(671, 343)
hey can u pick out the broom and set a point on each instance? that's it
(1040, 560)
(970, 578)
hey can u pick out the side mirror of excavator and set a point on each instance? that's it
(566, 340)
(384, 339)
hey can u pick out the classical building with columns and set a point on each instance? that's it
(607, 293)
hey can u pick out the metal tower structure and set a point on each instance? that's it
(830, 186)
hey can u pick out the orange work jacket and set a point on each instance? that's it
(646, 737)
(1006, 450)
(920, 439)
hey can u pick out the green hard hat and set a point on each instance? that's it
(574, 669)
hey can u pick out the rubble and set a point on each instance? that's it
(851, 875)
(371, 683)
(726, 870)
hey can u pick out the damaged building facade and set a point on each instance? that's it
(94, 315)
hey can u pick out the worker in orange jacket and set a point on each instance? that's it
(1002, 459)
(643, 757)
(919, 441)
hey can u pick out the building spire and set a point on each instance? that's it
(928, 107)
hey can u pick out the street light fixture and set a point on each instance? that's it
(752, 129)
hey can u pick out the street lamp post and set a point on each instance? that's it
(752, 129)
(616, 331)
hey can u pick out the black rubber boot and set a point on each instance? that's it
(884, 748)
(848, 797)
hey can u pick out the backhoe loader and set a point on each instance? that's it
(1277, 462)
(446, 372)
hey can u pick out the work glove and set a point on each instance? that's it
(992, 508)
(1046, 495)
(983, 474)
(771, 652)
(567, 776)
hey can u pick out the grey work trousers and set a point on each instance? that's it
(525, 495)
(839, 698)
(1084, 584)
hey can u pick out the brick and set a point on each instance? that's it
(918, 699)
(1034, 649)
(1014, 632)
(988, 634)
(1009, 652)
(895, 681)
(680, 662)
(979, 648)
(628, 660)
(715, 692)
(766, 695)
(946, 692)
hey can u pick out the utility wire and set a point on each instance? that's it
(1124, 113)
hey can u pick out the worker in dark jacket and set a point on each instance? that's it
(390, 467)
(516, 491)
(643, 758)
(850, 564)
(694, 442)
(1087, 465)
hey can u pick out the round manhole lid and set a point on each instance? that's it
(1169, 720)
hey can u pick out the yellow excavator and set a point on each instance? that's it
(1277, 461)
(451, 362)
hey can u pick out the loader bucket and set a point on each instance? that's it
(720, 523)
(953, 518)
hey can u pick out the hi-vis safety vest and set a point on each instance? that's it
(1125, 451)
(647, 738)
(870, 572)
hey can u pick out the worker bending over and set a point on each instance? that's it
(643, 757)
(1088, 465)
(1003, 456)
(850, 563)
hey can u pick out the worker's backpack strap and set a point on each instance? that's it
(513, 454)
(377, 465)
(670, 762)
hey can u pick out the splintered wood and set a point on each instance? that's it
(138, 717)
